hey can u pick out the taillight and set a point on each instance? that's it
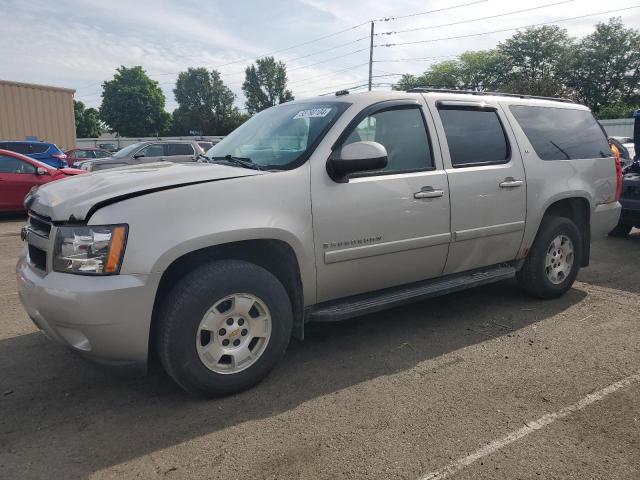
(616, 154)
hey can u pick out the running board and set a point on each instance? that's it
(363, 304)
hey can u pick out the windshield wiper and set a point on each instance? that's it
(237, 161)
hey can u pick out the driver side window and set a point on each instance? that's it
(14, 165)
(403, 133)
(154, 150)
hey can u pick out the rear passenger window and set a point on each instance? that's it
(180, 149)
(474, 136)
(404, 135)
(562, 133)
(38, 147)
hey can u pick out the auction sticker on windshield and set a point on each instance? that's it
(313, 113)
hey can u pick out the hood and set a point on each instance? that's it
(75, 197)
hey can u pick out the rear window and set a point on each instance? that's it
(25, 148)
(180, 149)
(562, 133)
(475, 137)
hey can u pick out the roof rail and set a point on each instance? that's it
(474, 92)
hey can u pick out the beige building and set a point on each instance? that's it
(40, 111)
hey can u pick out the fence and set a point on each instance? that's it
(618, 127)
(116, 143)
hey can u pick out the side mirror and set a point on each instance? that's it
(42, 171)
(138, 155)
(356, 157)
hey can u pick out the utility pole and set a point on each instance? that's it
(371, 58)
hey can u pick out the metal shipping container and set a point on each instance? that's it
(40, 111)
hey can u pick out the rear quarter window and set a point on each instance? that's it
(562, 133)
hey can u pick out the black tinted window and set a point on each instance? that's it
(13, 165)
(403, 134)
(38, 147)
(562, 133)
(180, 149)
(475, 137)
(22, 148)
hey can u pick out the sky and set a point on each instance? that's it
(79, 43)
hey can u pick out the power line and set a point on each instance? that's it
(390, 19)
(506, 29)
(416, 59)
(328, 74)
(475, 19)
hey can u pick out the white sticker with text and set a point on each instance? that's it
(313, 113)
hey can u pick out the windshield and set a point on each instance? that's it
(278, 137)
(127, 150)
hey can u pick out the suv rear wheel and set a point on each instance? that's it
(223, 327)
(554, 260)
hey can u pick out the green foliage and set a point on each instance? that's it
(133, 104)
(88, 123)
(265, 85)
(606, 65)
(205, 103)
(601, 70)
(617, 110)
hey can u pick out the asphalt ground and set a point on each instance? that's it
(483, 384)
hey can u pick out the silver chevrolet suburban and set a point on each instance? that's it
(314, 210)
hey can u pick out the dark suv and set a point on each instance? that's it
(630, 200)
(147, 152)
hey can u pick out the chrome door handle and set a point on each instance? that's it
(428, 192)
(511, 183)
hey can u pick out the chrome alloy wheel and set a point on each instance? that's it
(559, 259)
(233, 333)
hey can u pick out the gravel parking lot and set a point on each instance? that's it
(486, 383)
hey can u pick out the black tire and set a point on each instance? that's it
(532, 277)
(184, 308)
(621, 230)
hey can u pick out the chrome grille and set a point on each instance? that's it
(39, 225)
(37, 235)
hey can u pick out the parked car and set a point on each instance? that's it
(625, 147)
(83, 154)
(147, 152)
(296, 218)
(111, 147)
(48, 153)
(19, 174)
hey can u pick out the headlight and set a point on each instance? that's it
(90, 250)
(87, 166)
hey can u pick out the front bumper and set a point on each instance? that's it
(604, 218)
(105, 319)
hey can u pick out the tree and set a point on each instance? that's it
(205, 103)
(133, 104)
(265, 85)
(617, 110)
(88, 123)
(482, 70)
(536, 60)
(606, 65)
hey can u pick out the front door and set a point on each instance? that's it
(387, 227)
(487, 182)
(17, 177)
(154, 152)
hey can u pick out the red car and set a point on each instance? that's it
(82, 154)
(19, 174)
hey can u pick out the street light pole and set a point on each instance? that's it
(371, 58)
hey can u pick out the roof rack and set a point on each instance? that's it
(474, 92)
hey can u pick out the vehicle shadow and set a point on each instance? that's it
(61, 417)
(615, 263)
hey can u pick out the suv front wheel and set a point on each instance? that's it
(554, 260)
(223, 327)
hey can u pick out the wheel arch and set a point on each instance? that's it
(578, 210)
(275, 256)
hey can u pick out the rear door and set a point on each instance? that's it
(487, 182)
(387, 227)
(180, 152)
